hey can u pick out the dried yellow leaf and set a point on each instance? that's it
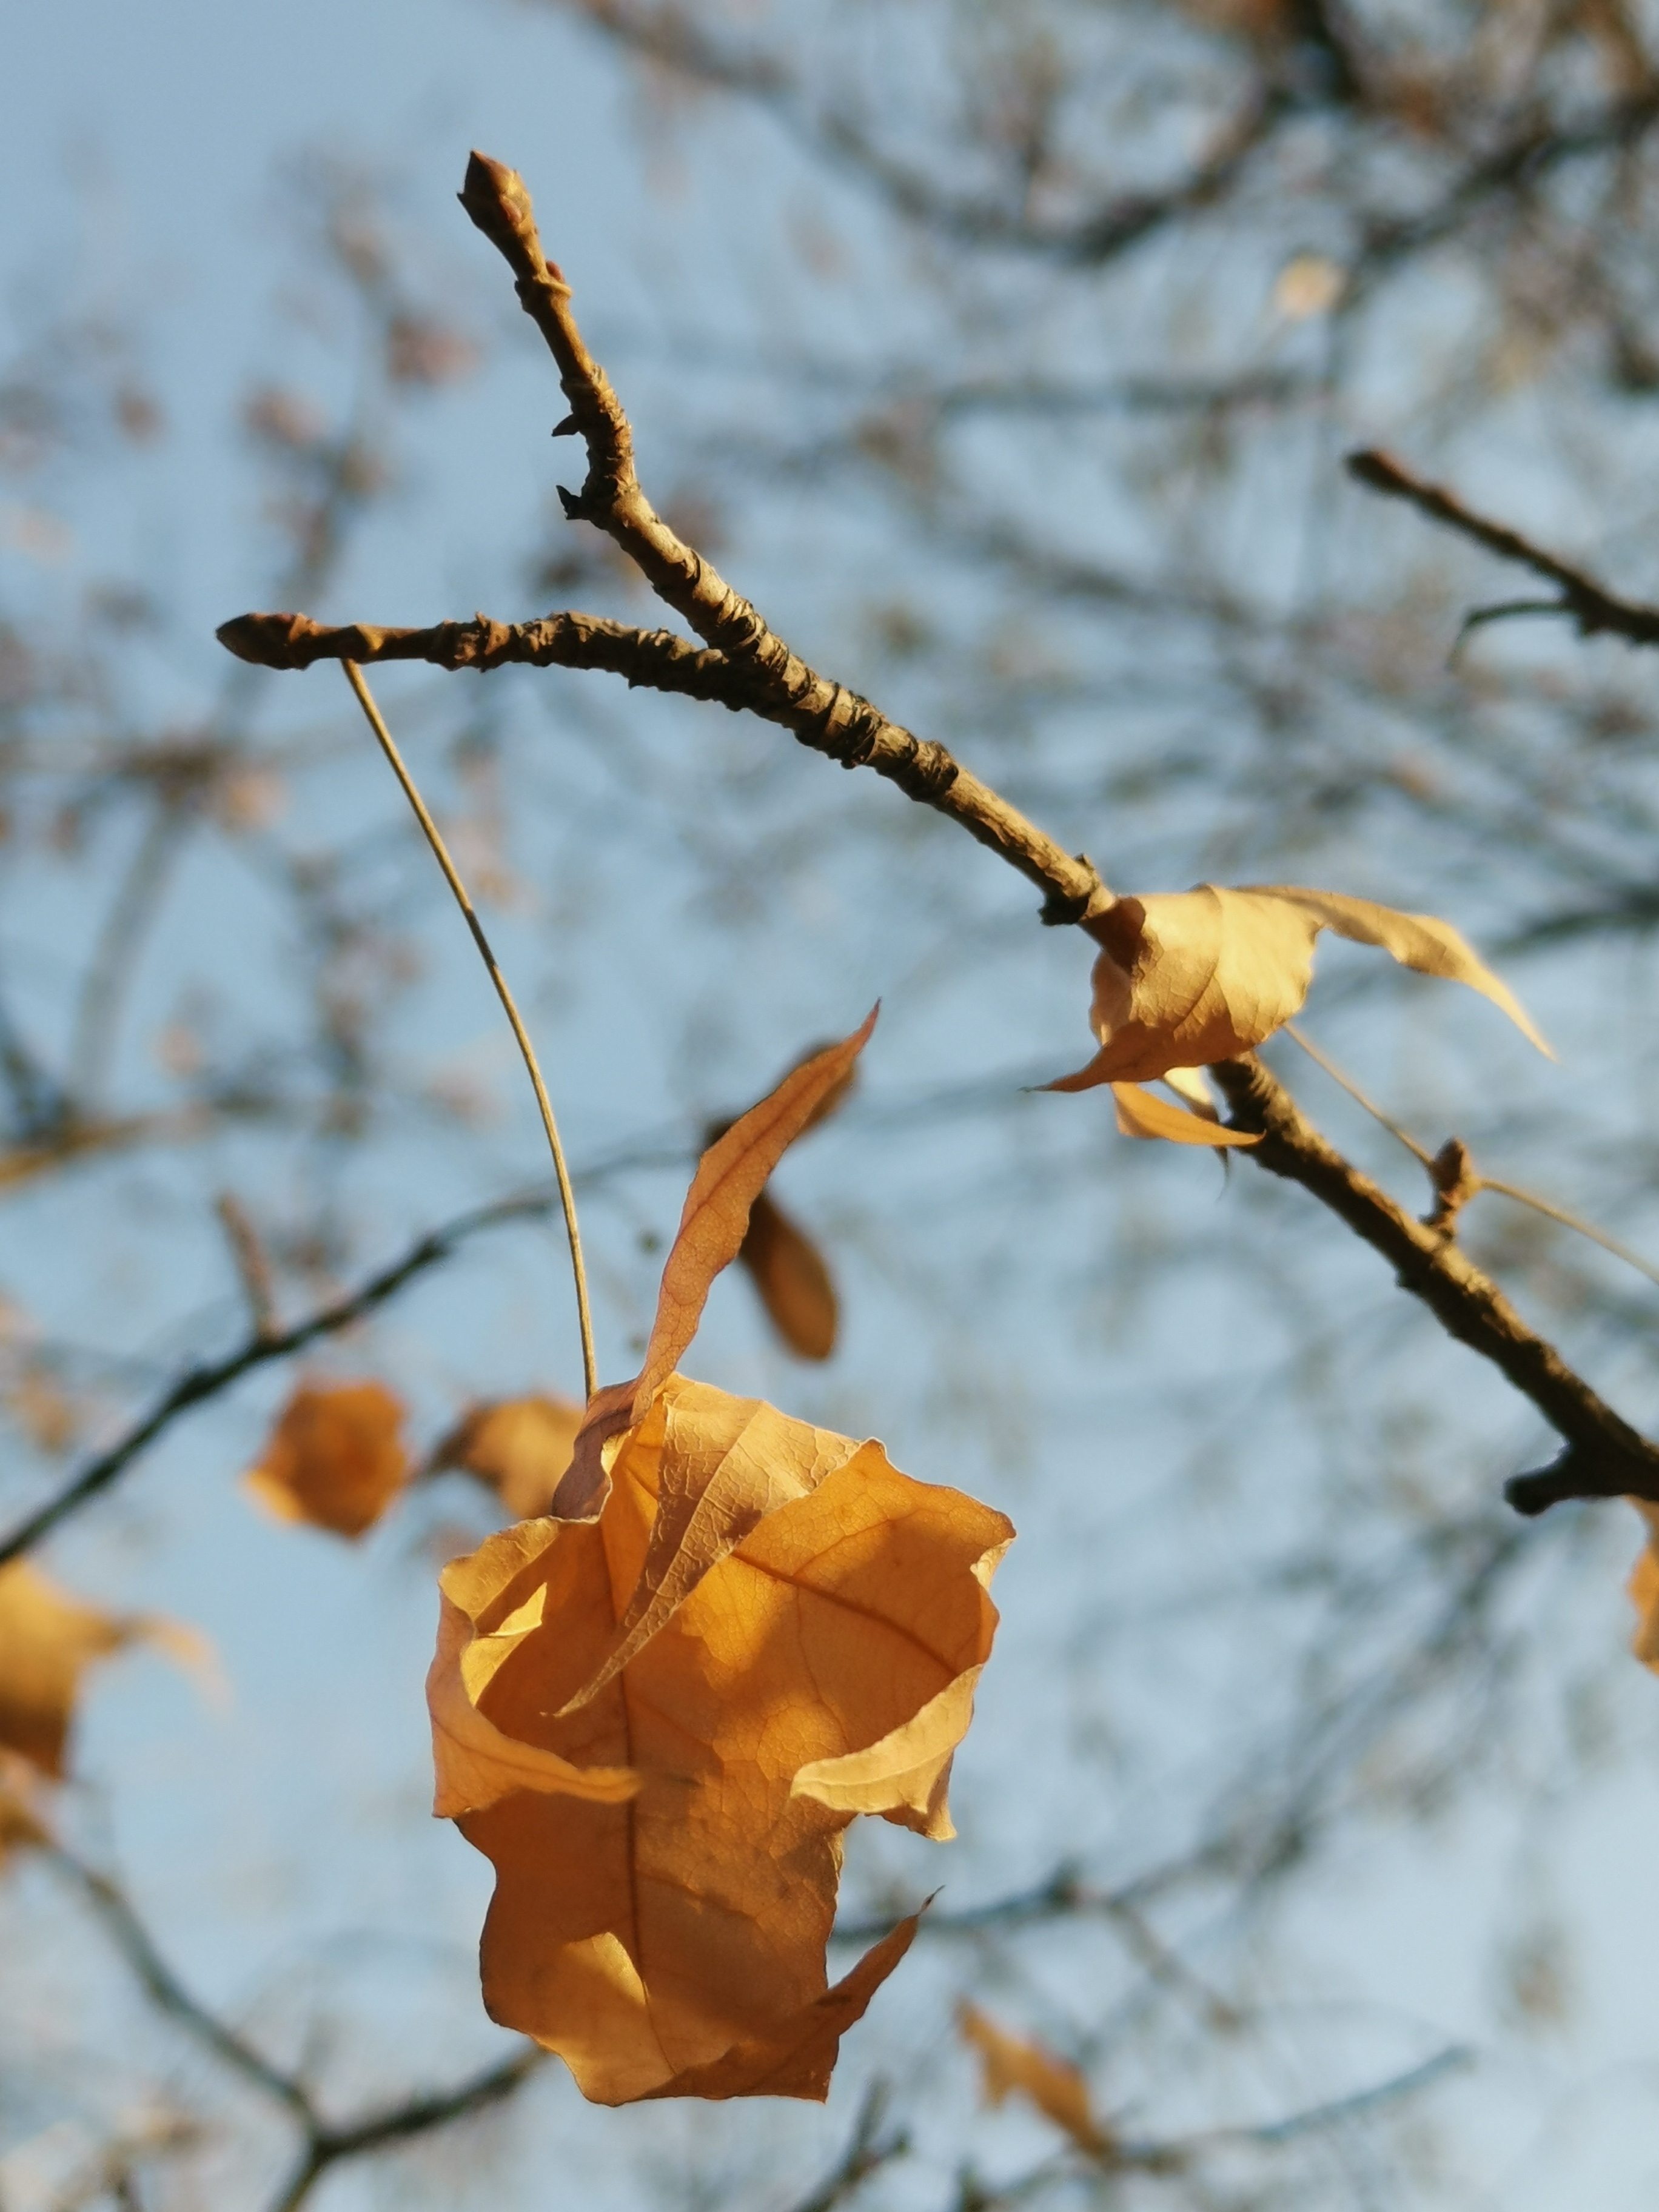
(657, 1709)
(713, 1222)
(1186, 978)
(1144, 1114)
(824, 1607)
(334, 1458)
(1011, 2064)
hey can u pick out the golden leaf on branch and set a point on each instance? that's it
(1011, 2064)
(334, 1458)
(48, 1640)
(1186, 978)
(520, 1447)
(656, 1711)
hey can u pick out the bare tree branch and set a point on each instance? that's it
(872, 2147)
(204, 1381)
(328, 2146)
(1584, 601)
(165, 1991)
(1605, 1456)
(327, 2143)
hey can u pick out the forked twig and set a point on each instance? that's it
(1595, 610)
(566, 1195)
(744, 662)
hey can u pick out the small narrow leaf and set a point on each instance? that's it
(730, 1176)
(1012, 2064)
(1144, 1114)
(789, 1271)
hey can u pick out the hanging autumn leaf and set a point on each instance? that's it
(786, 1266)
(335, 1457)
(1009, 2063)
(1643, 1587)
(789, 1271)
(520, 1447)
(656, 1711)
(48, 1639)
(1189, 977)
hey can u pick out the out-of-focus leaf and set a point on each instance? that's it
(334, 1458)
(520, 1447)
(789, 1271)
(48, 1639)
(1012, 2063)
(22, 1812)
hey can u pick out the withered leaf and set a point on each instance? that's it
(657, 1709)
(1012, 2063)
(334, 1458)
(798, 2058)
(1186, 978)
(713, 1222)
(789, 1271)
(686, 1929)
(48, 1639)
(1144, 1114)
(730, 1177)
(520, 1447)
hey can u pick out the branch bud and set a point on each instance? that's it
(498, 201)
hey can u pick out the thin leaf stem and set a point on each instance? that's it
(1571, 1220)
(1513, 1191)
(1418, 1152)
(566, 1196)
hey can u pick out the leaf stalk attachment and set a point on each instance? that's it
(353, 675)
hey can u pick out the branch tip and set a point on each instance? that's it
(498, 201)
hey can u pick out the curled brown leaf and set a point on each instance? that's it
(1186, 978)
(656, 1710)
